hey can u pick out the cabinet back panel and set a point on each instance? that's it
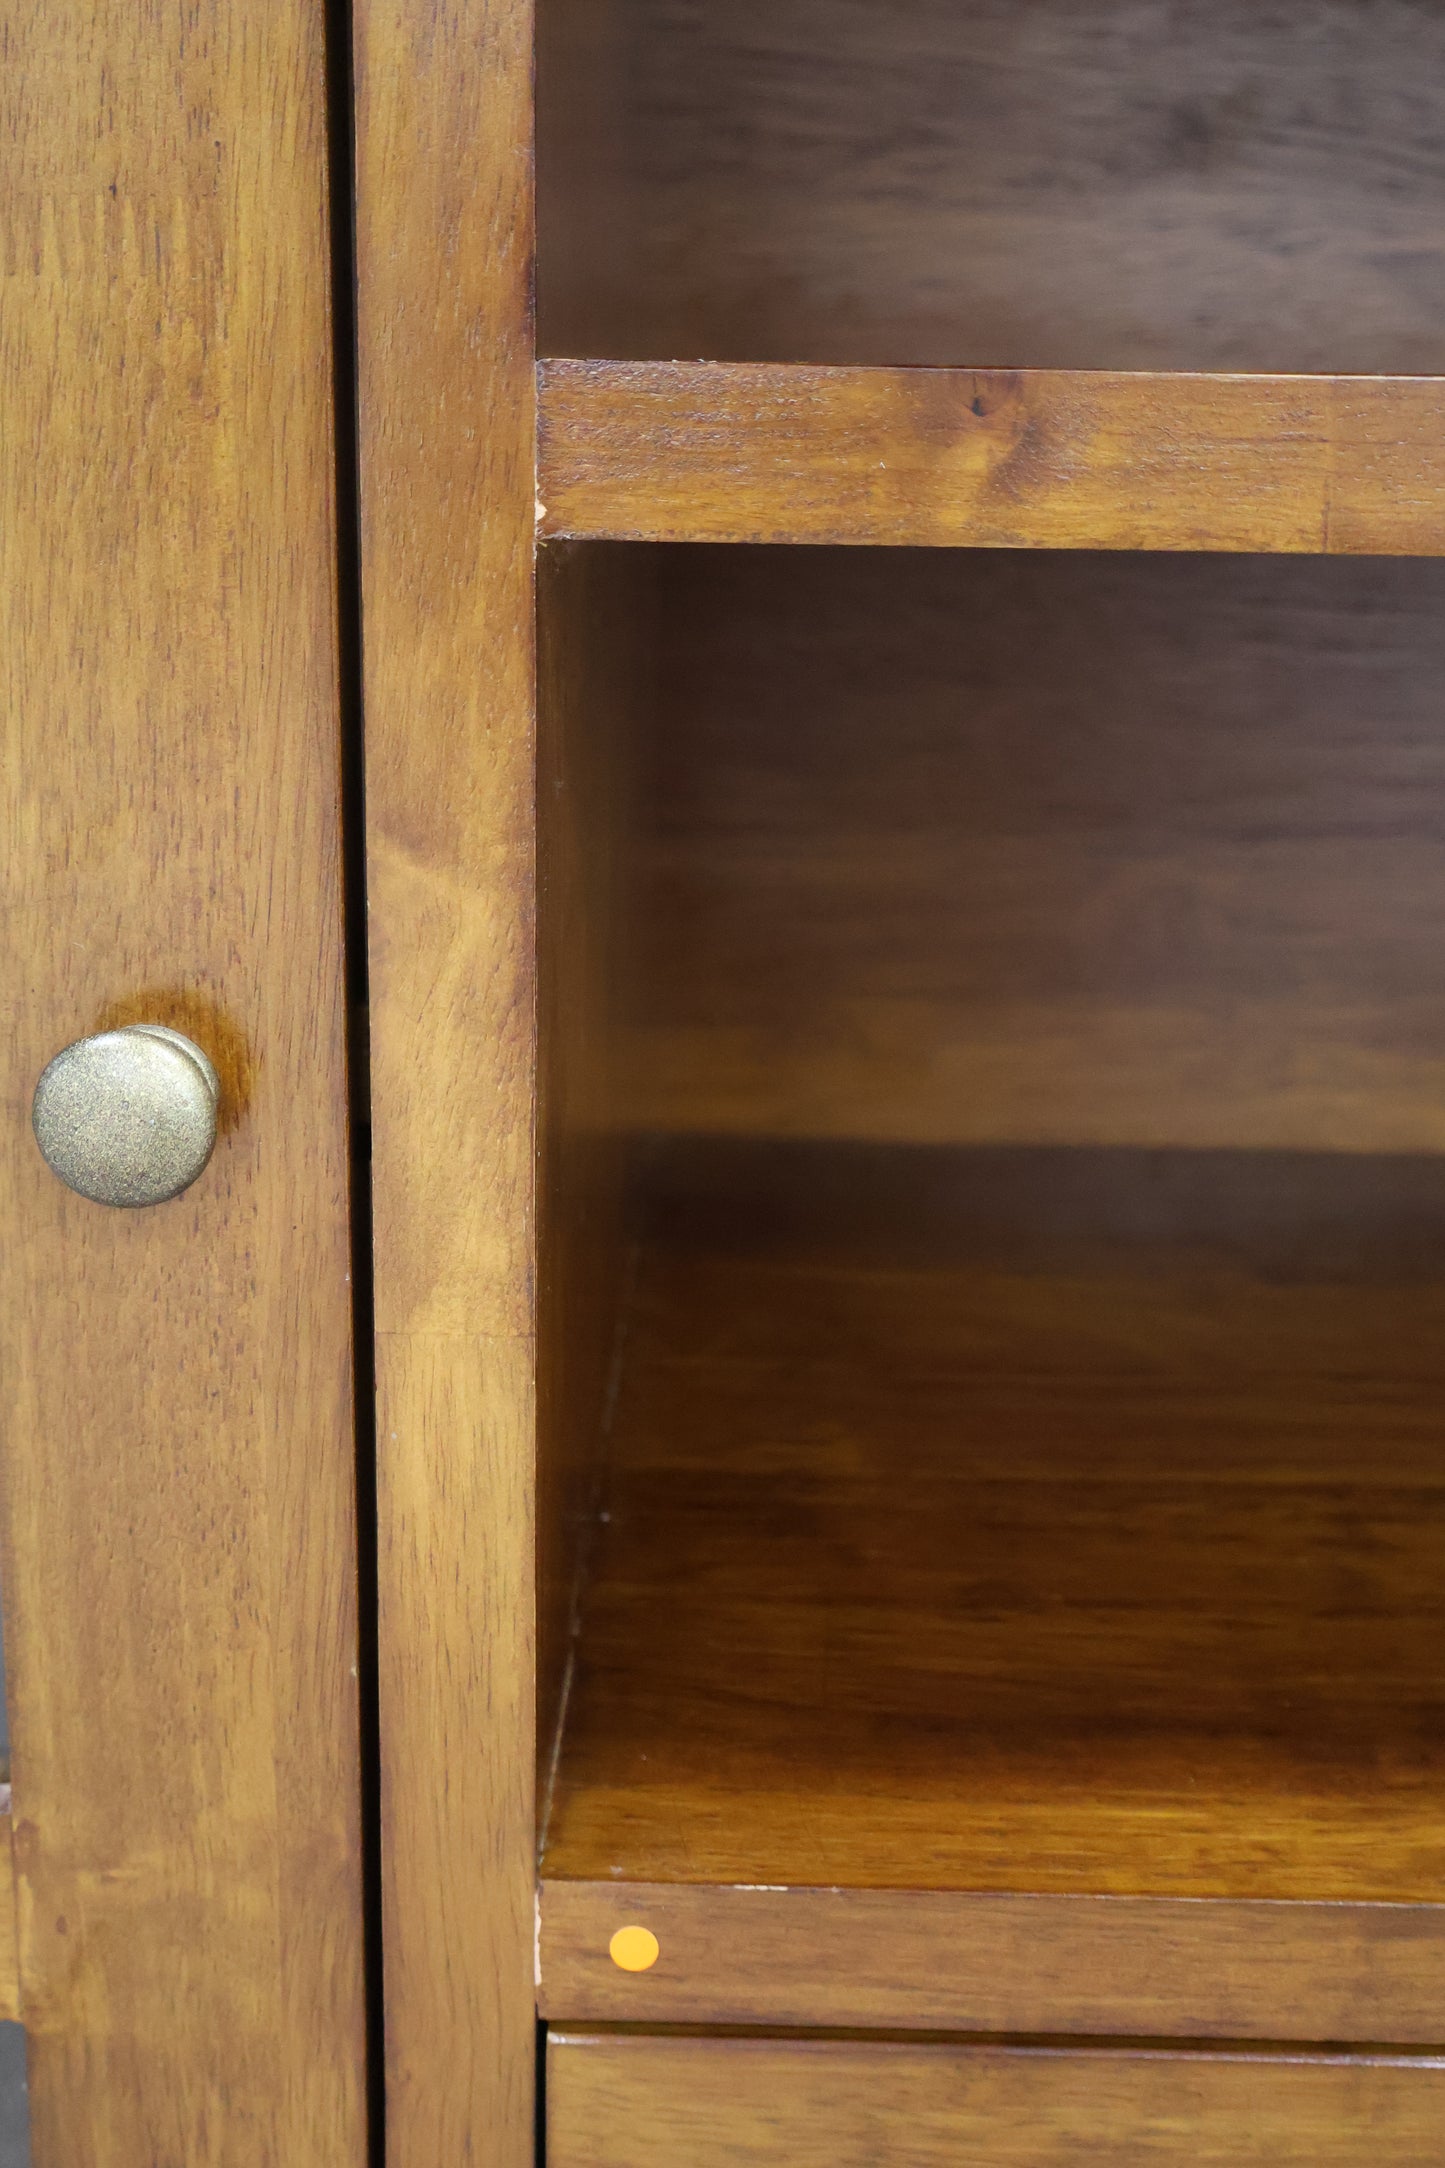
(1043, 848)
(1200, 184)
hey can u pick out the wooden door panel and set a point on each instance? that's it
(179, 1547)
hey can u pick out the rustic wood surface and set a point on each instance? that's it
(179, 1542)
(1161, 184)
(626, 2101)
(1033, 459)
(1008, 846)
(950, 1961)
(1034, 1522)
(443, 115)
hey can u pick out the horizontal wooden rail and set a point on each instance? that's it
(1196, 1968)
(1033, 459)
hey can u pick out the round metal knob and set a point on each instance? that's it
(128, 1117)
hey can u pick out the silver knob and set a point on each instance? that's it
(128, 1117)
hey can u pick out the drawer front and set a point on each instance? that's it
(630, 2101)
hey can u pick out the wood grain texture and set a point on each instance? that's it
(443, 115)
(595, 662)
(1021, 847)
(179, 1542)
(10, 2005)
(1036, 459)
(1035, 1522)
(947, 1960)
(1161, 184)
(626, 2101)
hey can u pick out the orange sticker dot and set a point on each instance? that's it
(634, 1949)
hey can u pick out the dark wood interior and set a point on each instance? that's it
(596, 666)
(1033, 1520)
(1017, 1465)
(990, 1437)
(1080, 184)
(1021, 847)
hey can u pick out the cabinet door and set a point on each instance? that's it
(179, 1560)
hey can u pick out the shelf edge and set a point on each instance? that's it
(1197, 1968)
(988, 458)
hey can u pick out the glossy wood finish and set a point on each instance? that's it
(1034, 1522)
(1013, 847)
(1155, 184)
(179, 1542)
(443, 106)
(620, 2101)
(717, 452)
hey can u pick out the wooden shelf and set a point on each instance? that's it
(1037, 459)
(1008, 1545)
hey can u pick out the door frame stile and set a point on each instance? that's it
(448, 459)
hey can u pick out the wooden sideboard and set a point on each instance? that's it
(766, 677)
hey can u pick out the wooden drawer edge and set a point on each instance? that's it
(630, 2101)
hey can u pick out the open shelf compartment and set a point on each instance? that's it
(1078, 184)
(1022, 1520)
(1086, 274)
(993, 1491)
